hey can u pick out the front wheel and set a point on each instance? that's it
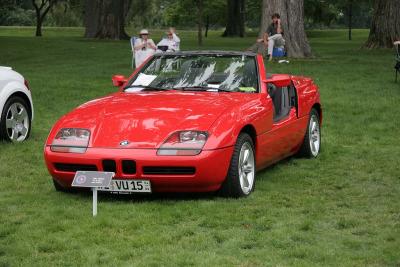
(240, 180)
(312, 140)
(15, 125)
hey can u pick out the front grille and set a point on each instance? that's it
(109, 165)
(65, 167)
(167, 170)
(129, 166)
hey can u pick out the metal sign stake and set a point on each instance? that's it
(94, 189)
(94, 180)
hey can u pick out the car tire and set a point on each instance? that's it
(312, 140)
(15, 111)
(240, 180)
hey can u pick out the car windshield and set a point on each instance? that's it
(228, 73)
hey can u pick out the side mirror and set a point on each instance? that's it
(119, 80)
(280, 80)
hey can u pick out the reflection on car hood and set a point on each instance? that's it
(146, 119)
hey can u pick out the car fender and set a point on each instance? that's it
(308, 95)
(224, 131)
(12, 88)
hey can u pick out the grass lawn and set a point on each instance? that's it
(341, 209)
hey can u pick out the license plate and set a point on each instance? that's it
(128, 186)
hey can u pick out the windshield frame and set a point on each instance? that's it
(198, 53)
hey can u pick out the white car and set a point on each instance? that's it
(16, 108)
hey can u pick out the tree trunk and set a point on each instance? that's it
(292, 19)
(207, 26)
(200, 22)
(105, 19)
(41, 11)
(39, 23)
(350, 18)
(235, 19)
(385, 26)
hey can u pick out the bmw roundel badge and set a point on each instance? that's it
(124, 143)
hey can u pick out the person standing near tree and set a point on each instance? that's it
(144, 47)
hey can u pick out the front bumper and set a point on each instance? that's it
(211, 167)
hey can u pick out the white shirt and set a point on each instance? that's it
(173, 44)
(143, 54)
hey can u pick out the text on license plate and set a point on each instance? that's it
(128, 186)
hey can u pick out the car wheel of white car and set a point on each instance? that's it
(312, 140)
(15, 125)
(241, 175)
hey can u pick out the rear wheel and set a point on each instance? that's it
(241, 175)
(312, 140)
(15, 125)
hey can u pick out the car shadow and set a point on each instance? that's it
(145, 197)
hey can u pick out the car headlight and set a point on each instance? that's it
(71, 140)
(183, 143)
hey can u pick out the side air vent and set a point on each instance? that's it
(167, 170)
(66, 167)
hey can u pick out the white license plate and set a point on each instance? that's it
(128, 186)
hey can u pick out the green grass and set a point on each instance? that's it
(341, 209)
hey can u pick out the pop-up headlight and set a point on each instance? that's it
(183, 143)
(71, 140)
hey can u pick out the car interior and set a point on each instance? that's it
(284, 99)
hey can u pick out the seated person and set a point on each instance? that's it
(273, 37)
(170, 43)
(144, 47)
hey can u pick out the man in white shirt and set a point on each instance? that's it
(171, 43)
(144, 47)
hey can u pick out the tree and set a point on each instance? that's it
(235, 18)
(292, 19)
(200, 8)
(385, 26)
(42, 7)
(105, 19)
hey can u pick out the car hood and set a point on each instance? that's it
(146, 119)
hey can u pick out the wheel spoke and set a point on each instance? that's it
(14, 135)
(245, 180)
(23, 115)
(13, 109)
(313, 126)
(10, 123)
(247, 169)
(24, 131)
(246, 156)
(313, 147)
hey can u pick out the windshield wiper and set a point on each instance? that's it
(147, 87)
(201, 88)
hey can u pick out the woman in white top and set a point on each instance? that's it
(172, 41)
(144, 47)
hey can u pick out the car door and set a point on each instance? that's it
(282, 138)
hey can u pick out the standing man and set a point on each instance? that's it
(273, 37)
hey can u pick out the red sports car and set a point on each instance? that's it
(189, 122)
